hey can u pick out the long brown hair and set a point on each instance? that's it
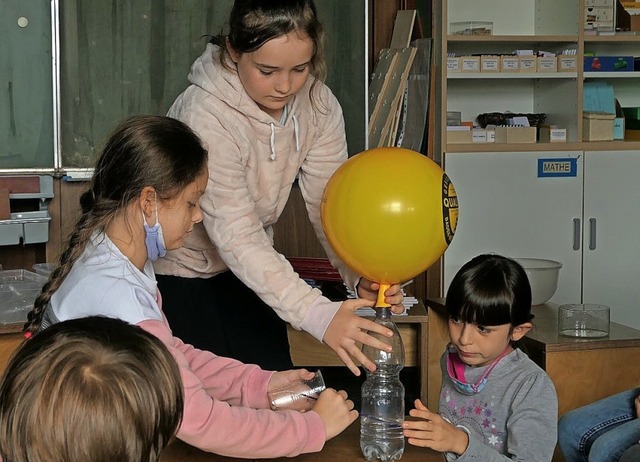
(89, 390)
(155, 151)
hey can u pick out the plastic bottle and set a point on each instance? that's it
(382, 411)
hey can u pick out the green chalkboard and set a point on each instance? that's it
(26, 85)
(126, 57)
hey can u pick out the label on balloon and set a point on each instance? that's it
(449, 208)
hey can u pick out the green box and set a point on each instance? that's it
(632, 117)
(631, 112)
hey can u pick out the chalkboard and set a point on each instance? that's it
(126, 57)
(26, 85)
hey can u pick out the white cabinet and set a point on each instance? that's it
(611, 256)
(587, 218)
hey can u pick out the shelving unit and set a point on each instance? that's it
(550, 25)
(583, 216)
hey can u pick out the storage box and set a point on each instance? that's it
(489, 63)
(632, 135)
(553, 135)
(515, 135)
(597, 126)
(25, 228)
(459, 136)
(18, 291)
(471, 28)
(509, 63)
(618, 128)
(567, 63)
(470, 63)
(547, 64)
(528, 63)
(479, 135)
(453, 64)
(608, 63)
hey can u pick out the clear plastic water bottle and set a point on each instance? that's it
(382, 411)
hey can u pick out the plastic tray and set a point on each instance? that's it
(18, 290)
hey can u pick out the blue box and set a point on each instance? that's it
(608, 63)
(618, 128)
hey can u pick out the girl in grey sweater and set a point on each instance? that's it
(495, 403)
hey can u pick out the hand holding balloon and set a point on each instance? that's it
(392, 295)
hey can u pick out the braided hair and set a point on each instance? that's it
(146, 150)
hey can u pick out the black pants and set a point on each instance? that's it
(224, 316)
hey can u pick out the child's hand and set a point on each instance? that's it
(393, 295)
(433, 431)
(336, 411)
(280, 379)
(637, 403)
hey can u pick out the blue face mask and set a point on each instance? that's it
(456, 367)
(154, 240)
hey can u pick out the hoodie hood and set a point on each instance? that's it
(209, 74)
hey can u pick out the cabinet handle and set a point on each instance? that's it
(576, 234)
(592, 234)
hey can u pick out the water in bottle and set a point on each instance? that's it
(382, 411)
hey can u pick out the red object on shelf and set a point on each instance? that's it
(318, 269)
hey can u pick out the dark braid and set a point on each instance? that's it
(85, 227)
(143, 151)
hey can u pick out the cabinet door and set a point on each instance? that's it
(507, 208)
(611, 271)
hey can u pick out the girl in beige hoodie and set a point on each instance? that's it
(257, 101)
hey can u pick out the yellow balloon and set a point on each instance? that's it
(389, 213)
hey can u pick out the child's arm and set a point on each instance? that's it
(433, 432)
(214, 425)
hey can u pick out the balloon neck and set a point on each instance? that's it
(380, 302)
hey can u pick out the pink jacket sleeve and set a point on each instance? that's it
(226, 409)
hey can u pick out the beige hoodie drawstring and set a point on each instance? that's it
(296, 130)
(272, 138)
(272, 141)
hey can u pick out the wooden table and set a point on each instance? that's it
(343, 448)
(306, 351)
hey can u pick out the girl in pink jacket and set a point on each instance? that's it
(144, 200)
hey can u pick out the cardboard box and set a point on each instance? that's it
(632, 135)
(547, 64)
(479, 135)
(509, 63)
(608, 63)
(515, 135)
(491, 135)
(567, 63)
(597, 126)
(453, 64)
(528, 63)
(489, 63)
(553, 135)
(459, 136)
(470, 64)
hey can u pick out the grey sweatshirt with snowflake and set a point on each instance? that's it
(513, 418)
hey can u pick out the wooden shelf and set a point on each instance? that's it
(537, 147)
(514, 38)
(516, 75)
(611, 38)
(611, 75)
